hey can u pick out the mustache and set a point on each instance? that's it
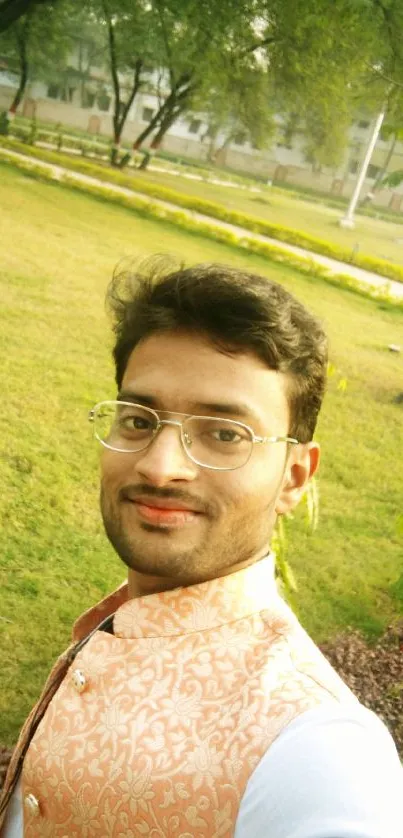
(134, 491)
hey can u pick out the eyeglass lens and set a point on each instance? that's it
(215, 442)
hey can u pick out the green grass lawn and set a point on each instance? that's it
(372, 237)
(58, 252)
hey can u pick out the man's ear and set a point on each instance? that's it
(301, 465)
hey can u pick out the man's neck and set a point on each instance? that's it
(140, 584)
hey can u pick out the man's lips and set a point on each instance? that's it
(168, 512)
(165, 515)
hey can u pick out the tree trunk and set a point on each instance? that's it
(166, 123)
(133, 93)
(212, 148)
(155, 144)
(145, 161)
(22, 39)
(220, 155)
(176, 96)
(115, 83)
(157, 119)
(381, 174)
(120, 111)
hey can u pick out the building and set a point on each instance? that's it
(88, 106)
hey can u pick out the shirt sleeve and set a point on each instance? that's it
(13, 824)
(332, 773)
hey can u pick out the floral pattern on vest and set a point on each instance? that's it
(156, 729)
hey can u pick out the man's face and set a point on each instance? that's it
(165, 515)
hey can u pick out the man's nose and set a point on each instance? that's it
(165, 459)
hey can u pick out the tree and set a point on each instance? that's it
(37, 45)
(239, 107)
(315, 67)
(382, 83)
(316, 56)
(128, 35)
(12, 10)
(311, 61)
(21, 36)
(193, 41)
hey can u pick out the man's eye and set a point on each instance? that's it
(135, 423)
(226, 435)
(140, 424)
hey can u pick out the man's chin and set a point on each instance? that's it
(159, 552)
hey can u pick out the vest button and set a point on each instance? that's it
(78, 680)
(32, 805)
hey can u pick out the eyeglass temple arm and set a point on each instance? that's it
(263, 439)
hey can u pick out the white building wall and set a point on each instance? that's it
(276, 163)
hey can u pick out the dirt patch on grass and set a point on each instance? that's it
(374, 673)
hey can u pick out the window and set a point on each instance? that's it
(67, 94)
(194, 126)
(353, 167)
(372, 171)
(53, 91)
(363, 123)
(103, 101)
(147, 114)
(90, 99)
(240, 138)
(87, 99)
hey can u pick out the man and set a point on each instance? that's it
(191, 702)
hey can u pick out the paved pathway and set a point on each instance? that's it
(394, 288)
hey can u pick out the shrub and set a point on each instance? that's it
(4, 123)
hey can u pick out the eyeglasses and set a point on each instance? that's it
(211, 442)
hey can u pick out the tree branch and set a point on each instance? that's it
(166, 42)
(136, 86)
(263, 43)
(385, 77)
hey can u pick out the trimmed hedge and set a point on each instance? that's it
(254, 225)
(32, 135)
(143, 207)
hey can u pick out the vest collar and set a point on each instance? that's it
(181, 611)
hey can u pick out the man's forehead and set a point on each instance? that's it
(190, 370)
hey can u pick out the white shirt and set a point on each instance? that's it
(332, 773)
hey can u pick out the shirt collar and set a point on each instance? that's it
(182, 611)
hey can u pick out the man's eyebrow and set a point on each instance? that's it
(225, 408)
(136, 398)
(232, 409)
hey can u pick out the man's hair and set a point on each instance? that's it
(236, 311)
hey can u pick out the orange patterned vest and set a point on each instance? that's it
(156, 729)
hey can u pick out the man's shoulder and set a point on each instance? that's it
(334, 772)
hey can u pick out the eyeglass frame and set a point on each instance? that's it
(255, 439)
